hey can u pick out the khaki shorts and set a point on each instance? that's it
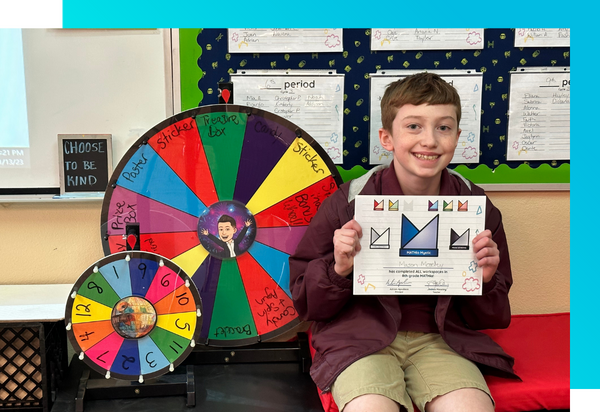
(416, 367)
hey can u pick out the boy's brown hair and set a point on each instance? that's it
(420, 88)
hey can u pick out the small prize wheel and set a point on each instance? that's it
(226, 192)
(133, 316)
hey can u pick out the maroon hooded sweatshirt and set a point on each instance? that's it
(348, 327)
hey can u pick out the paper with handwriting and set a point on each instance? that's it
(284, 40)
(310, 99)
(542, 37)
(539, 122)
(418, 245)
(426, 39)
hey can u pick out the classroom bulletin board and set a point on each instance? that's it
(205, 61)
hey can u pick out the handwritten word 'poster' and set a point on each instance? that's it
(284, 40)
(539, 123)
(542, 37)
(418, 245)
(426, 39)
(310, 100)
(468, 83)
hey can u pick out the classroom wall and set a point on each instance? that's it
(54, 242)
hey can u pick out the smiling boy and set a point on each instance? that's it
(384, 353)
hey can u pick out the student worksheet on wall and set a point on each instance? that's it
(284, 40)
(426, 39)
(468, 83)
(539, 122)
(313, 100)
(542, 37)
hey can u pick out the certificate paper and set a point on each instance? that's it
(418, 245)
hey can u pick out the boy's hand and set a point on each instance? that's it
(346, 244)
(204, 231)
(488, 256)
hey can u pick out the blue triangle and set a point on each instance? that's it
(409, 231)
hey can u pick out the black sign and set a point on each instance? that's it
(85, 162)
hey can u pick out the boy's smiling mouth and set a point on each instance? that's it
(426, 157)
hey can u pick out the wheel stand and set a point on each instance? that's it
(93, 386)
(273, 352)
(176, 383)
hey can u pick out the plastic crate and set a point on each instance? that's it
(33, 359)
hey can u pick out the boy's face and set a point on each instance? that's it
(226, 231)
(423, 139)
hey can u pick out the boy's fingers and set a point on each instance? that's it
(353, 225)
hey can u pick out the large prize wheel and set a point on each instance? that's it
(226, 192)
(133, 316)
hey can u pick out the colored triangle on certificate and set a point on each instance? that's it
(448, 207)
(459, 242)
(427, 237)
(380, 241)
(433, 206)
(393, 206)
(300, 167)
(179, 145)
(377, 205)
(463, 207)
(409, 231)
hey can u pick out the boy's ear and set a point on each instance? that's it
(385, 138)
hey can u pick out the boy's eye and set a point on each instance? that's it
(413, 126)
(445, 128)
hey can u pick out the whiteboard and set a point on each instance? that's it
(114, 82)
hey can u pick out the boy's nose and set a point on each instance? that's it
(428, 138)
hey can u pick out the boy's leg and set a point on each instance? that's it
(467, 400)
(371, 403)
(439, 379)
(376, 380)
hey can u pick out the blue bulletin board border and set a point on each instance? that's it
(585, 360)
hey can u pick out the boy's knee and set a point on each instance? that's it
(461, 400)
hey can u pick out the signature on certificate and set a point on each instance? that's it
(397, 282)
